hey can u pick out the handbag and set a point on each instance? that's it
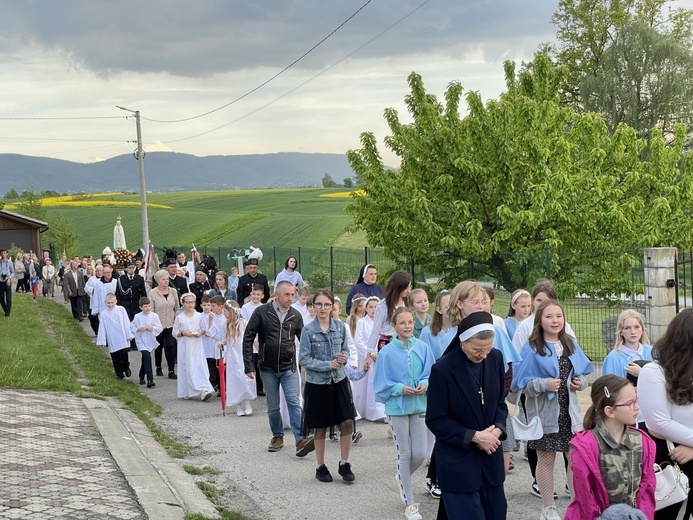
(531, 430)
(672, 484)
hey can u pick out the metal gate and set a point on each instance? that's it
(683, 279)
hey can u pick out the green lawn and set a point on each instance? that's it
(217, 219)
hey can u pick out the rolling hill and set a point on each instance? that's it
(169, 171)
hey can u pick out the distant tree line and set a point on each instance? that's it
(29, 193)
(329, 182)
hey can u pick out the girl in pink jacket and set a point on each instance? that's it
(612, 461)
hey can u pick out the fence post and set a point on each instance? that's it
(660, 291)
(274, 260)
(365, 255)
(547, 264)
(332, 269)
(411, 267)
(298, 260)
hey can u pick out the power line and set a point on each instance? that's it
(60, 118)
(312, 78)
(265, 82)
(50, 139)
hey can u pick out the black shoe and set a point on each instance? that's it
(172, 375)
(261, 393)
(151, 384)
(323, 474)
(128, 372)
(141, 380)
(121, 376)
(346, 473)
(159, 372)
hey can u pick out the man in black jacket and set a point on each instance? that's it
(278, 325)
(129, 289)
(249, 280)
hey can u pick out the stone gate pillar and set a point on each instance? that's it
(660, 293)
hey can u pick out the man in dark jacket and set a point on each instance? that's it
(278, 325)
(249, 280)
(129, 289)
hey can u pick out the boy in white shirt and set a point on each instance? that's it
(214, 333)
(146, 326)
(114, 332)
(247, 310)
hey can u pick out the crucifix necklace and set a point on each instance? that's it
(479, 381)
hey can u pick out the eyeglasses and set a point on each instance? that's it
(476, 303)
(322, 305)
(630, 404)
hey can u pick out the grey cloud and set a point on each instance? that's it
(207, 37)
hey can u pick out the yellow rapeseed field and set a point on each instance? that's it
(344, 194)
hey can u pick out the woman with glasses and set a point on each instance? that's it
(665, 392)
(612, 461)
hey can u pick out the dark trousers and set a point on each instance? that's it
(120, 361)
(26, 286)
(6, 297)
(432, 467)
(146, 368)
(258, 380)
(213, 372)
(168, 346)
(77, 305)
(487, 504)
(94, 322)
(20, 285)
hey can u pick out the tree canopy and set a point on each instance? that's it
(630, 60)
(487, 194)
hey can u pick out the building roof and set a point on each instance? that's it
(23, 218)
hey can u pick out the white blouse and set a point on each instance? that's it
(663, 418)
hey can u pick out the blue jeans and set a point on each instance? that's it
(289, 383)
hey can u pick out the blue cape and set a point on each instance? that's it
(392, 368)
(534, 366)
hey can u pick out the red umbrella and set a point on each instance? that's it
(221, 366)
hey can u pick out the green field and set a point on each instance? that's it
(227, 219)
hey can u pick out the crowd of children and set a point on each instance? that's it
(377, 366)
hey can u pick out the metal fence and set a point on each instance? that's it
(592, 319)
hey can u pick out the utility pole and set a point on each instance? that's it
(143, 191)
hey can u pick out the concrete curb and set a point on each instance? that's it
(162, 487)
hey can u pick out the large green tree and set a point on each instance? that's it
(61, 233)
(630, 60)
(487, 194)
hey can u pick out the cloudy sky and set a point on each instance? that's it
(174, 59)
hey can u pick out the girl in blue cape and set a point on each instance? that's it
(553, 366)
(401, 382)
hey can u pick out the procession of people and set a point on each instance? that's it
(442, 383)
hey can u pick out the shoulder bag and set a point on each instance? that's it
(672, 484)
(531, 430)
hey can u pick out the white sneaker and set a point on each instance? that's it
(205, 395)
(240, 411)
(412, 512)
(248, 408)
(550, 513)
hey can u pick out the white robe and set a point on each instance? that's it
(214, 334)
(239, 386)
(98, 298)
(146, 339)
(364, 396)
(114, 329)
(193, 374)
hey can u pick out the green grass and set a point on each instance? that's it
(43, 348)
(228, 219)
(194, 470)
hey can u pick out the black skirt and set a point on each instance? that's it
(327, 405)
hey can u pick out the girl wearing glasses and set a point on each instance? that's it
(553, 367)
(612, 461)
(324, 353)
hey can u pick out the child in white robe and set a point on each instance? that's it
(193, 374)
(114, 332)
(212, 313)
(240, 389)
(146, 326)
(247, 310)
(364, 396)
